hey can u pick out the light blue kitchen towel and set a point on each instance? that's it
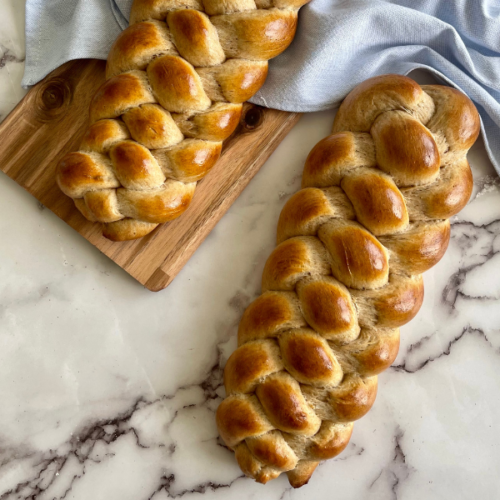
(339, 43)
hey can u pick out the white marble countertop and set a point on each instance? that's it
(108, 391)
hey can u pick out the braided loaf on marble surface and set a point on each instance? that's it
(176, 81)
(346, 274)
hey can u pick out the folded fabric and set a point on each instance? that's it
(58, 31)
(339, 44)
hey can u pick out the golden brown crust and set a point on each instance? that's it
(249, 364)
(239, 417)
(292, 260)
(178, 87)
(128, 229)
(309, 208)
(158, 9)
(419, 248)
(103, 203)
(102, 135)
(195, 37)
(190, 160)
(270, 314)
(257, 34)
(253, 467)
(136, 46)
(446, 197)
(346, 274)
(176, 81)
(82, 172)
(413, 158)
(152, 126)
(335, 156)
(216, 124)
(456, 117)
(353, 398)
(285, 406)
(159, 205)
(272, 450)
(378, 95)
(214, 7)
(135, 166)
(331, 440)
(373, 351)
(309, 359)
(234, 81)
(394, 305)
(300, 476)
(279, 4)
(327, 306)
(119, 94)
(357, 257)
(378, 203)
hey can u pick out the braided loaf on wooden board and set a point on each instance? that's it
(176, 81)
(346, 274)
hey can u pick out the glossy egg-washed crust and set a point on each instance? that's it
(346, 274)
(175, 83)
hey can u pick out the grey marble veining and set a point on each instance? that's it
(108, 391)
(12, 54)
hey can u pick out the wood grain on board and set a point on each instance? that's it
(51, 120)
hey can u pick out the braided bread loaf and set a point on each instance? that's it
(352, 244)
(176, 81)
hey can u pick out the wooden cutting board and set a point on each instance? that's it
(51, 120)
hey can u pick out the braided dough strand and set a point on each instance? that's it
(175, 83)
(346, 274)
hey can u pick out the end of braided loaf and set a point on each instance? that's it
(175, 83)
(346, 274)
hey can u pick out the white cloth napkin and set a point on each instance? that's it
(339, 43)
